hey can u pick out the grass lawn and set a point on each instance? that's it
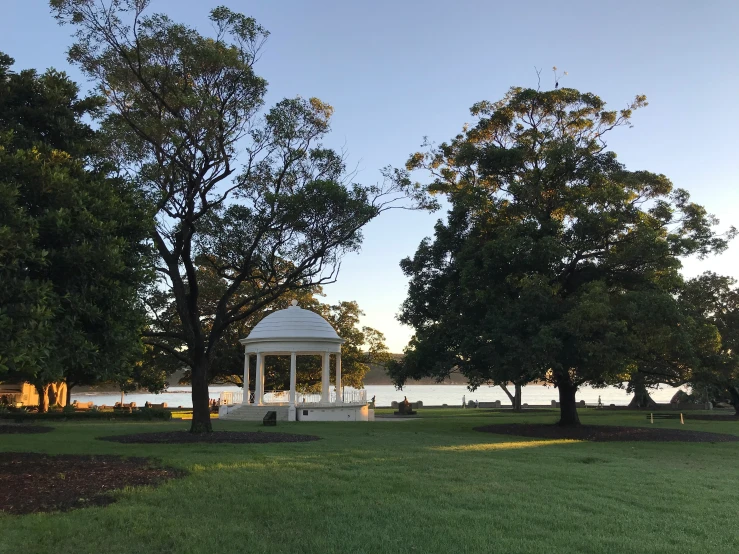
(423, 485)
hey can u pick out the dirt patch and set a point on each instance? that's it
(231, 437)
(21, 429)
(31, 482)
(712, 417)
(606, 433)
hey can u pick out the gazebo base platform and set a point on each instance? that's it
(303, 412)
(251, 412)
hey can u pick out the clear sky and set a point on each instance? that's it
(396, 71)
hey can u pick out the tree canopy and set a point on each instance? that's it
(72, 255)
(251, 192)
(556, 264)
(364, 345)
(713, 302)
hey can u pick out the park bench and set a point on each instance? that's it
(495, 404)
(156, 406)
(82, 405)
(124, 408)
(405, 408)
(663, 416)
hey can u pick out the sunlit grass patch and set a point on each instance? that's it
(187, 416)
(481, 447)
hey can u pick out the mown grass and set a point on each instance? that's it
(423, 485)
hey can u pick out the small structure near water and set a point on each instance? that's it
(295, 332)
(18, 394)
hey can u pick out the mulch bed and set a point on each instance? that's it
(20, 429)
(231, 437)
(605, 433)
(712, 417)
(31, 482)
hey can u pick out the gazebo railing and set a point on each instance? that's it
(349, 396)
(277, 397)
(354, 396)
(228, 398)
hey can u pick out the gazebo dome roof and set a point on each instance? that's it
(293, 323)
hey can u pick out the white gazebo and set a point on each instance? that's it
(294, 332)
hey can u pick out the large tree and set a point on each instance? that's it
(364, 345)
(713, 301)
(252, 192)
(556, 263)
(72, 255)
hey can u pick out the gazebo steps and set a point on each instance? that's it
(254, 413)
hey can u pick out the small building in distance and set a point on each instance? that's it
(18, 394)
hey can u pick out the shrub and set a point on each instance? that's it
(143, 414)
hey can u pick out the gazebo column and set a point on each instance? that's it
(325, 379)
(246, 379)
(339, 395)
(259, 384)
(293, 376)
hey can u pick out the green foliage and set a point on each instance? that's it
(72, 256)
(556, 263)
(364, 345)
(141, 414)
(713, 302)
(24, 303)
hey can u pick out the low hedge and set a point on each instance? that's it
(141, 414)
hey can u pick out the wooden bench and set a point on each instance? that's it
(663, 416)
(405, 408)
(82, 405)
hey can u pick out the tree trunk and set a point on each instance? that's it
(200, 400)
(57, 394)
(53, 400)
(69, 393)
(43, 398)
(734, 393)
(641, 397)
(517, 398)
(567, 405)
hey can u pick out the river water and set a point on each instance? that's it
(430, 395)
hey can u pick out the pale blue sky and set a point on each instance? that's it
(398, 71)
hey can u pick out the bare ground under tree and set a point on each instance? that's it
(22, 429)
(31, 482)
(605, 433)
(233, 437)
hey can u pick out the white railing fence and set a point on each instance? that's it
(349, 396)
(277, 397)
(230, 398)
(354, 396)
